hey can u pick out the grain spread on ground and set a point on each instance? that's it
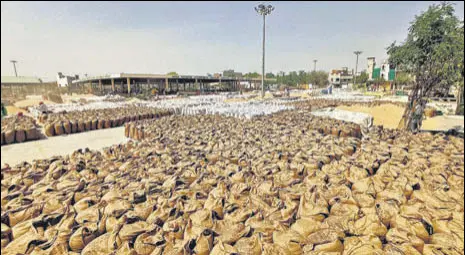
(221, 185)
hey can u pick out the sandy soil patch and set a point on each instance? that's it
(12, 110)
(31, 102)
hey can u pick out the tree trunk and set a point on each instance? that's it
(459, 101)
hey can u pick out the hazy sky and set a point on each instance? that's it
(196, 37)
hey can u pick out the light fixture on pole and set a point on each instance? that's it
(14, 66)
(356, 65)
(314, 65)
(263, 10)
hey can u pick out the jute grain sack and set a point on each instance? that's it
(107, 123)
(20, 136)
(10, 136)
(94, 124)
(249, 245)
(224, 249)
(74, 126)
(81, 237)
(88, 124)
(81, 126)
(67, 127)
(126, 129)
(31, 134)
(101, 124)
(58, 127)
(147, 242)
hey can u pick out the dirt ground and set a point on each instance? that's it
(31, 102)
(12, 110)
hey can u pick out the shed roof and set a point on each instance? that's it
(20, 79)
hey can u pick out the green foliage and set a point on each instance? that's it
(379, 80)
(433, 50)
(362, 78)
(270, 75)
(293, 79)
(173, 74)
(252, 75)
(403, 78)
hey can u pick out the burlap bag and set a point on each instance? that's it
(67, 126)
(10, 136)
(74, 126)
(94, 124)
(31, 134)
(101, 124)
(20, 136)
(107, 123)
(58, 127)
(88, 124)
(81, 126)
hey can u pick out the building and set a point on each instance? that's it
(20, 86)
(138, 83)
(231, 74)
(340, 77)
(385, 71)
(64, 80)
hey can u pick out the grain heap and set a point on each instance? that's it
(18, 129)
(73, 122)
(219, 185)
(314, 104)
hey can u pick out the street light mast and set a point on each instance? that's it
(263, 10)
(314, 65)
(14, 66)
(356, 65)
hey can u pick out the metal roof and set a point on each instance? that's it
(162, 76)
(20, 79)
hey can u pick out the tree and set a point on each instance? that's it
(173, 74)
(270, 75)
(433, 52)
(318, 78)
(362, 78)
(403, 78)
(252, 75)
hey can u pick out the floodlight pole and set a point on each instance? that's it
(14, 66)
(263, 58)
(263, 10)
(314, 65)
(356, 65)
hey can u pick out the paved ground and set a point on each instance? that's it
(61, 145)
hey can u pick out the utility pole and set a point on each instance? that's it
(314, 65)
(14, 66)
(263, 10)
(356, 65)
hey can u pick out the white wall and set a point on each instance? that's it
(371, 64)
(64, 81)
